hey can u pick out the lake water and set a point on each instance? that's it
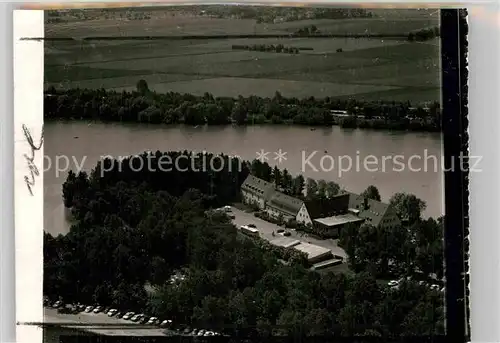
(391, 161)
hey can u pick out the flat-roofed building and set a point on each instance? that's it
(285, 242)
(349, 209)
(315, 253)
(330, 227)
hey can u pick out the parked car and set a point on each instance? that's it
(435, 287)
(80, 307)
(137, 317)
(152, 321)
(98, 309)
(187, 331)
(57, 304)
(46, 301)
(201, 332)
(227, 208)
(89, 309)
(119, 315)
(144, 320)
(129, 315)
(393, 283)
(166, 323)
(112, 312)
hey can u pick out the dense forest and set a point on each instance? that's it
(137, 226)
(146, 106)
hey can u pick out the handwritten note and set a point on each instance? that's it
(33, 169)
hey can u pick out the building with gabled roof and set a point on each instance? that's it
(356, 211)
(374, 212)
(283, 205)
(327, 216)
(255, 191)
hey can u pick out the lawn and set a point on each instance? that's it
(128, 82)
(55, 74)
(371, 69)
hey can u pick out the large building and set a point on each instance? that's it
(328, 216)
(282, 205)
(255, 191)
(355, 210)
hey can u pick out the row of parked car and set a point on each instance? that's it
(396, 283)
(138, 318)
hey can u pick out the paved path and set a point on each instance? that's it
(97, 322)
(266, 229)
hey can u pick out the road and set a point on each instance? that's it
(97, 324)
(266, 229)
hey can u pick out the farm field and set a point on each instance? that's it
(371, 69)
(234, 86)
(163, 22)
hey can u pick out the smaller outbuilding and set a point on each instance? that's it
(315, 253)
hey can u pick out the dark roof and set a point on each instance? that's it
(321, 208)
(374, 211)
(258, 187)
(285, 203)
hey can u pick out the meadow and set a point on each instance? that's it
(367, 68)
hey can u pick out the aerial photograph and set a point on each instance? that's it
(243, 171)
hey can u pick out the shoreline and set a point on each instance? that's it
(266, 123)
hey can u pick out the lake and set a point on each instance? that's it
(392, 161)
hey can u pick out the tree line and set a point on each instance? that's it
(424, 34)
(146, 106)
(136, 227)
(278, 48)
(264, 14)
(307, 31)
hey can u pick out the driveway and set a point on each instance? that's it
(266, 229)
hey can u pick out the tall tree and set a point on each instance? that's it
(311, 188)
(322, 189)
(332, 189)
(142, 87)
(408, 207)
(371, 192)
(277, 177)
(286, 182)
(298, 186)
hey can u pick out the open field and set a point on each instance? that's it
(234, 86)
(165, 22)
(372, 69)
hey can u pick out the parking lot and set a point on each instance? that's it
(266, 230)
(100, 323)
